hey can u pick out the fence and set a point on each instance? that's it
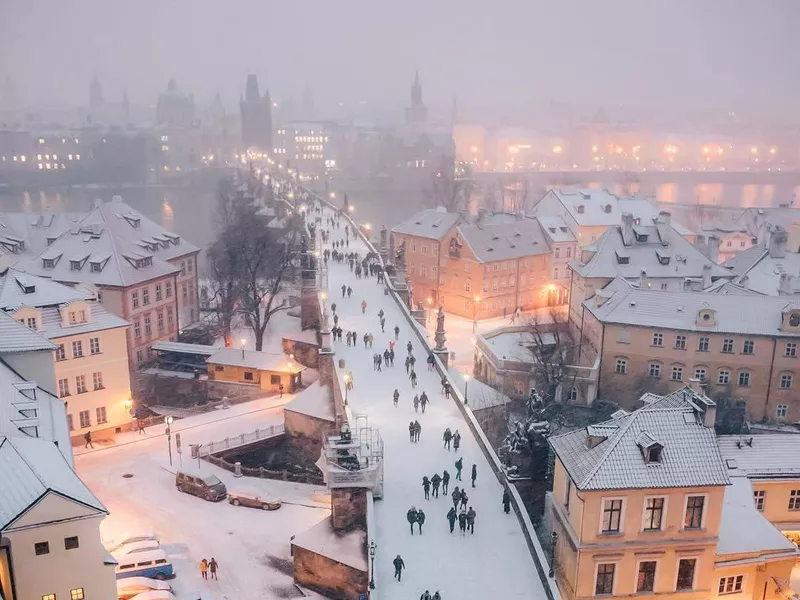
(229, 443)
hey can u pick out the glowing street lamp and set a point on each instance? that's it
(168, 421)
(466, 381)
(243, 343)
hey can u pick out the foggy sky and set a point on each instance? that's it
(668, 56)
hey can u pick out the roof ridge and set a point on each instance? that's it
(614, 444)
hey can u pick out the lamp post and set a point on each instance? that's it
(243, 343)
(347, 379)
(169, 420)
(475, 313)
(372, 547)
(466, 381)
(553, 540)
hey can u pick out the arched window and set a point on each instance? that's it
(573, 394)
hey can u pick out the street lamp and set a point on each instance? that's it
(466, 381)
(243, 341)
(475, 313)
(372, 547)
(347, 379)
(168, 421)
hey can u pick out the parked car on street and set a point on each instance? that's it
(113, 545)
(155, 595)
(142, 546)
(132, 586)
(238, 498)
(202, 485)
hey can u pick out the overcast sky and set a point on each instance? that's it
(665, 56)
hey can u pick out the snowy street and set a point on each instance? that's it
(251, 546)
(495, 561)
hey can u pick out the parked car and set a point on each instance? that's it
(205, 485)
(132, 586)
(130, 539)
(142, 546)
(146, 563)
(155, 595)
(238, 498)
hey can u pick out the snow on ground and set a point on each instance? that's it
(493, 563)
(251, 546)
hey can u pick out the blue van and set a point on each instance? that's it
(146, 563)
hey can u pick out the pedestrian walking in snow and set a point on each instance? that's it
(409, 347)
(395, 397)
(456, 441)
(408, 365)
(459, 466)
(333, 308)
(456, 497)
(416, 403)
(426, 487)
(366, 340)
(452, 516)
(445, 481)
(435, 482)
(506, 502)
(349, 337)
(437, 596)
(426, 596)
(386, 357)
(396, 332)
(423, 401)
(462, 522)
(349, 291)
(464, 499)
(471, 520)
(204, 569)
(431, 361)
(391, 357)
(412, 360)
(355, 338)
(411, 516)
(474, 473)
(343, 290)
(417, 430)
(88, 438)
(370, 338)
(140, 425)
(411, 431)
(335, 319)
(413, 378)
(399, 565)
(420, 520)
(380, 314)
(280, 390)
(212, 567)
(383, 324)
(448, 435)
(363, 306)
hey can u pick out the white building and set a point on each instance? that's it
(91, 356)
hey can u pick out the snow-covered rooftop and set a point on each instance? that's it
(346, 548)
(253, 359)
(763, 456)
(315, 401)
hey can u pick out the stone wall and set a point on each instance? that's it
(304, 434)
(327, 576)
(304, 352)
(349, 508)
(165, 390)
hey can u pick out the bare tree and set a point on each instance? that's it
(554, 348)
(451, 186)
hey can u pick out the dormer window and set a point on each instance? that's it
(653, 454)
(706, 317)
(455, 248)
(651, 448)
(580, 208)
(133, 221)
(75, 265)
(641, 237)
(794, 319)
(96, 267)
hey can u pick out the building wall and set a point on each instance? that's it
(34, 366)
(187, 290)
(323, 574)
(732, 243)
(776, 502)
(60, 571)
(139, 345)
(757, 581)
(264, 379)
(114, 393)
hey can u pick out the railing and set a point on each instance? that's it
(229, 443)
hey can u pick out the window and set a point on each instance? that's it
(730, 585)
(168, 289)
(567, 494)
(169, 316)
(573, 394)
(76, 594)
(744, 378)
(555, 273)
(80, 384)
(727, 345)
(612, 515)
(664, 287)
(654, 370)
(467, 286)
(646, 579)
(569, 252)
(434, 272)
(758, 498)
(160, 320)
(653, 513)
(790, 349)
(748, 347)
(424, 248)
(605, 579)
(61, 354)
(658, 339)
(148, 329)
(85, 418)
(42, 548)
(275, 379)
(248, 375)
(781, 411)
(700, 373)
(677, 373)
(680, 342)
(434, 250)
(557, 252)
(70, 423)
(145, 296)
(702, 344)
(622, 366)
(137, 329)
(159, 295)
(49, 597)
(100, 412)
(686, 568)
(97, 380)
(139, 356)
(694, 512)
(94, 345)
(63, 388)
(794, 500)
(31, 323)
(71, 543)
(413, 249)
(77, 349)
(724, 377)
(185, 293)
(786, 381)
(135, 299)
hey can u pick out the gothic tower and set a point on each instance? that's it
(95, 99)
(256, 113)
(417, 113)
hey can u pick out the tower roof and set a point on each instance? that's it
(251, 93)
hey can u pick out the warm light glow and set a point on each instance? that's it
(351, 208)
(773, 150)
(551, 287)
(557, 149)
(430, 300)
(466, 376)
(332, 195)
(594, 149)
(477, 298)
(244, 342)
(753, 150)
(289, 366)
(513, 149)
(367, 226)
(706, 149)
(474, 149)
(323, 295)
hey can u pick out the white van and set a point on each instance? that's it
(147, 563)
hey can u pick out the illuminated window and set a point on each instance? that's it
(76, 594)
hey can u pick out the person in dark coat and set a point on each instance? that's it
(452, 516)
(426, 487)
(411, 515)
(431, 361)
(416, 403)
(425, 596)
(88, 439)
(445, 481)
(459, 466)
(447, 389)
(212, 567)
(456, 496)
(420, 520)
(437, 596)
(474, 473)
(413, 378)
(447, 437)
(423, 401)
(395, 397)
(456, 440)
(462, 522)
(464, 499)
(399, 565)
(417, 430)
(349, 291)
(506, 502)
(343, 290)
(471, 520)
(409, 347)
(435, 481)
(396, 332)
(411, 431)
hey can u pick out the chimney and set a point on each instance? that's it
(745, 282)
(643, 280)
(785, 285)
(663, 225)
(98, 202)
(627, 229)
(706, 275)
(777, 242)
(712, 248)
(696, 385)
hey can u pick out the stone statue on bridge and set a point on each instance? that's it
(439, 336)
